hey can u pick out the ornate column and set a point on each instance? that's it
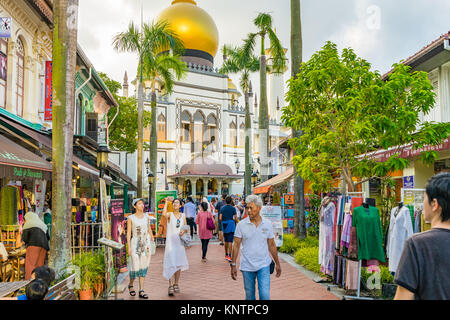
(11, 80)
(194, 187)
(205, 186)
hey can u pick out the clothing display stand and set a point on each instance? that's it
(358, 294)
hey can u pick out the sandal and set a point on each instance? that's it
(176, 288)
(170, 290)
(142, 294)
(132, 292)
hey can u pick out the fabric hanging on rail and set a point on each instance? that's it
(326, 247)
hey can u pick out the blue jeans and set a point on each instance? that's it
(263, 276)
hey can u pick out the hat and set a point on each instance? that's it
(136, 201)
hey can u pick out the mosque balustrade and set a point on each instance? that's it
(202, 68)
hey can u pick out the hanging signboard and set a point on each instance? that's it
(118, 232)
(408, 182)
(273, 213)
(39, 194)
(289, 198)
(48, 91)
(5, 27)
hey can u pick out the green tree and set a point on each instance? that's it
(141, 42)
(64, 65)
(123, 131)
(263, 22)
(162, 65)
(347, 112)
(296, 58)
(244, 62)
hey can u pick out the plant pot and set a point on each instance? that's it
(85, 294)
(389, 290)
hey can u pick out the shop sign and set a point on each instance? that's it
(408, 182)
(273, 213)
(5, 27)
(39, 194)
(27, 173)
(106, 226)
(289, 198)
(118, 232)
(48, 91)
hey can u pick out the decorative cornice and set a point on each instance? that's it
(19, 15)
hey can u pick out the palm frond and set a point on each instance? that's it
(249, 44)
(161, 37)
(277, 52)
(128, 41)
(173, 64)
(263, 21)
(167, 78)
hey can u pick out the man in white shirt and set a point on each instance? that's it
(255, 233)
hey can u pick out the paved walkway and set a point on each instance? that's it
(212, 280)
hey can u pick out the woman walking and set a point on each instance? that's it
(35, 236)
(175, 259)
(204, 233)
(139, 235)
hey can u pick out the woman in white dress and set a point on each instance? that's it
(175, 259)
(139, 235)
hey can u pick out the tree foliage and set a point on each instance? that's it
(347, 112)
(123, 131)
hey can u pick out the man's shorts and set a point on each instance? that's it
(220, 225)
(228, 237)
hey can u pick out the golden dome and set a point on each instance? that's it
(193, 25)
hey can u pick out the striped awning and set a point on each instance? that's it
(266, 185)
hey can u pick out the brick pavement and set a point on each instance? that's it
(212, 280)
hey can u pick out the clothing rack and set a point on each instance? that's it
(358, 295)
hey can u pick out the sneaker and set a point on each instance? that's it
(228, 257)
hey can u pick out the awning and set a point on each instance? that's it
(17, 162)
(266, 185)
(86, 170)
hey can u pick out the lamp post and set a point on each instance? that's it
(254, 179)
(102, 158)
(225, 186)
(151, 178)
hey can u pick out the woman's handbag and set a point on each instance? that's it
(152, 247)
(210, 225)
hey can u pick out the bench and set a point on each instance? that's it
(63, 290)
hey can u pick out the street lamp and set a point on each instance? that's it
(162, 164)
(225, 186)
(237, 164)
(151, 178)
(147, 165)
(102, 158)
(254, 179)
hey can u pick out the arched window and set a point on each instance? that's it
(161, 128)
(186, 126)
(199, 123)
(3, 70)
(242, 134)
(20, 52)
(233, 134)
(211, 131)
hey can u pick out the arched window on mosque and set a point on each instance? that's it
(186, 126)
(233, 134)
(242, 134)
(211, 131)
(20, 55)
(161, 128)
(199, 124)
(3, 70)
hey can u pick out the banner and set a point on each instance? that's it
(408, 182)
(273, 213)
(39, 195)
(5, 27)
(118, 232)
(48, 91)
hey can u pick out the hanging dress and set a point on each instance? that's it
(175, 254)
(326, 247)
(140, 246)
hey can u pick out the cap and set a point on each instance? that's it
(136, 201)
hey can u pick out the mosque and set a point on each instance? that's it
(200, 125)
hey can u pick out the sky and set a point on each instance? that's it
(381, 31)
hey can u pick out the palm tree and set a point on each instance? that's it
(64, 66)
(163, 66)
(244, 62)
(296, 57)
(264, 24)
(138, 41)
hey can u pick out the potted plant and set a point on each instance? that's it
(388, 287)
(86, 264)
(99, 273)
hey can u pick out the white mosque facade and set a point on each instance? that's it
(200, 125)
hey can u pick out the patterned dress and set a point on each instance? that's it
(140, 246)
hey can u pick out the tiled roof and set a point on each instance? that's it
(44, 8)
(422, 52)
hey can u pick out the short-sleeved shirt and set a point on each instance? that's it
(190, 210)
(424, 266)
(219, 205)
(255, 250)
(228, 212)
